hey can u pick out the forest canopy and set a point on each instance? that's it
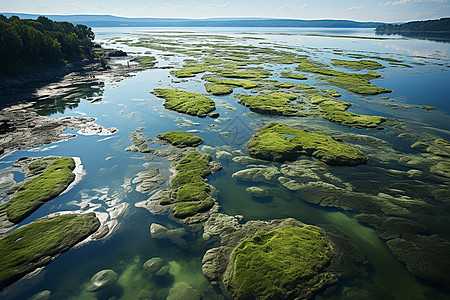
(441, 25)
(26, 43)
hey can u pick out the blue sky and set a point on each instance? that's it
(360, 10)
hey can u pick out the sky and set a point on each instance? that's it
(358, 10)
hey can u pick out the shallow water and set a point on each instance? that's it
(128, 105)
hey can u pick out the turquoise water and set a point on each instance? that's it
(128, 105)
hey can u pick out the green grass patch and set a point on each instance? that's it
(218, 89)
(277, 142)
(192, 194)
(356, 83)
(32, 194)
(284, 85)
(181, 139)
(292, 76)
(246, 84)
(33, 246)
(245, 74)
(336, 111)
(273, 104)
(277, 264)
(357, 65)
(146, 61)
(186, 102)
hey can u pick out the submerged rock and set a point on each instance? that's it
(153, 265)
(257, 174)
(183, 290)
(427, 257)
(223, 155)
(175, 235)
(44, 295)
(148, 180)
(245, 160)
(102, 280)
(145, 295)
(257, 191)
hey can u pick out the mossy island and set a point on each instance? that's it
(278, 264)
(272, 104)
(277, 142)
(221, 87)
(278, 259)
(55, 175)
(34, 245)
(190, 194)
(180, 139)
(353, 82)
(186, 102)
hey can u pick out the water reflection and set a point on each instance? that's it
(56, 98)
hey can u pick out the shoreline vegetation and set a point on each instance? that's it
(433, 29)
(27, 43)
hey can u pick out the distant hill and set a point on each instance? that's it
(431, 29)
(113, 21)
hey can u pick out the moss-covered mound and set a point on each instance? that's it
(186, 102)
(191, 194)
(279, 143)
(146, 61)
(32, 194)
(246, 84)
(354, 82)
(277, 264)
(33, 246)
(336, 111)
(292, 76)
(357, 65)
(273, 104)
(218, 89)
(284, 85)
(181, 139)
(190, 71)
(245, 74)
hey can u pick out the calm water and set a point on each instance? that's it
(127, 105)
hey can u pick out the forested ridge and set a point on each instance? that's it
(28, 43)
(441, 25)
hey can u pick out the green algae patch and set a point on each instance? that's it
(278, 264)
(246, 84)
(357, 65)
(181, 139)
(284, 85)
(336, 111)
(218, 89)
(332, 93)
(190, 71)
(186, 102)
(292, 76)
(191, 194)
(277, 142)
(34, 245)
(32, 194)
(274, 104)
(245, 74)
(146, 61)
(353, 82)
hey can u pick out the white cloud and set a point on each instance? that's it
(354, 8)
